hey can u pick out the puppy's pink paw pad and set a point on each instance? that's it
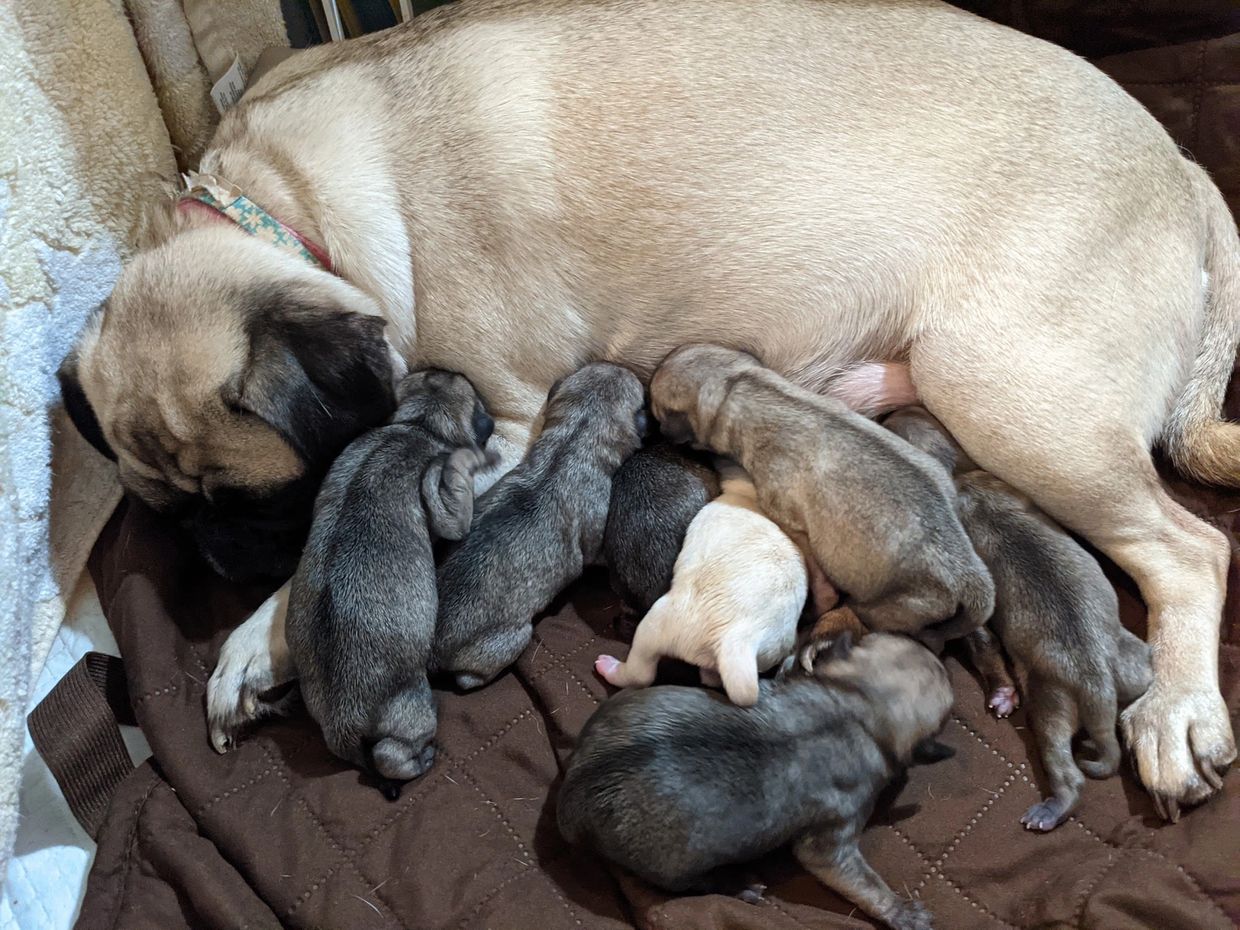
(1003, 701)
(607, 667)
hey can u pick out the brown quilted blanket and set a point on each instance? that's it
(277, 833)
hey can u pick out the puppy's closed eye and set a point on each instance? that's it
(675, 427)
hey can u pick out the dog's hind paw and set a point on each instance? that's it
(1045, 815)
(253, 663)
(1003, 701)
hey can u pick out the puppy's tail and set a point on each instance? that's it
(1201, 444)
(1099, 715)
(738, 670)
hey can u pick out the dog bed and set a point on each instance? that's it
(278, 833)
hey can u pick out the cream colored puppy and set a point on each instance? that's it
(533, 183)
(737, 592)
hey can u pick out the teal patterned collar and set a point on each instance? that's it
(204, 191)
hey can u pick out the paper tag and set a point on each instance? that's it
(228, 89)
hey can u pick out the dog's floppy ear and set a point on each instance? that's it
(318, 376)
(448, 493)
(78, 407)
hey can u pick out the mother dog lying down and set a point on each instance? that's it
(516, 187)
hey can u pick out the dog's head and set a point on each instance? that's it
(223, 379)
(917, 427)
(607, 396)
(446, 405)
(689, 387)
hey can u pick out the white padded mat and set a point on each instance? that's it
(47, 875)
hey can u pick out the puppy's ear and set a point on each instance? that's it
(821, 651)
(930, 750)
(448, 493)
(78, 407)
(319, 376)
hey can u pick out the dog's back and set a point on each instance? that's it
(879, 514)
(357, 631)
(538, 527)
(1055, 611)
(654, 768)
(655, 496)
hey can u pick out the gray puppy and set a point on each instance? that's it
(654, 497)
(539, 526)
(879, 516)
(362, 605)
(675, 783)
(1056, 615)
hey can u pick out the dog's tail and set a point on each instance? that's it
(738, 670)
(1201, 444)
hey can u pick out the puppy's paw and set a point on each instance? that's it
(753, 894)
(253, 662)
(608, 668)
(1182, 743)
(1045, 815)
(908, 914)
(1003, 701)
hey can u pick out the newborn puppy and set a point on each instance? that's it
(673, 783)
(737, 593)
(362, 603)
(879, 516)
(1055, 614)
(655, 496)
(538, 526)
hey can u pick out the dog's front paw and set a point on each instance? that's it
(909, 914)
(1182, 742)
(253, 662)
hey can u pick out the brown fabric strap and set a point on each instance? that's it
(75, 730)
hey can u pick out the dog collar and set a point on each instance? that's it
(204, 191)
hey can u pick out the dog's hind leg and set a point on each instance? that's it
(1052, 715)
(836, 861)
(738, 672)
(1052, 399)
(642, 664)
(254, 660)
(987, 659)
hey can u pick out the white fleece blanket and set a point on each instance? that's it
(82, 146)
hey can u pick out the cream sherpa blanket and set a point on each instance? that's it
(83, 145)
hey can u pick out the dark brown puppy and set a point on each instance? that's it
(1056, 615)
(675, 783)
(654, 497)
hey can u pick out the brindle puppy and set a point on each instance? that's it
(539, 526)
(362, 607)
(655, 496)
(1056, 615)
(879, 516)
